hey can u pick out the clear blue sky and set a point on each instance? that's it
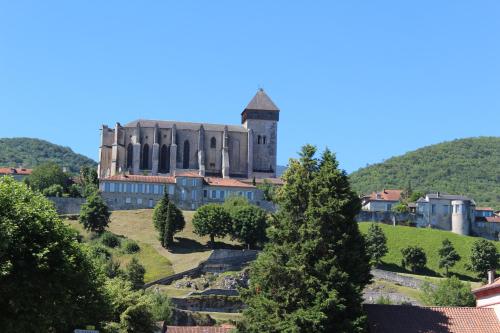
(368, 79)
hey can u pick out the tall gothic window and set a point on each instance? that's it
(185, 157)
(130, 156)
(264, 140)
(213, 142)
(259, 138)
(165, 159)
(145, 157)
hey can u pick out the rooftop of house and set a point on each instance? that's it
(493, 219)
(385, 195)
(439, 195)
(487, 209)
(211, 181)
(199, 329)
(415, 319)
(15, 171)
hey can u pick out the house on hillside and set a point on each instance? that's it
(446, 212)
(18, 173)
(484, 212)
(382, 201)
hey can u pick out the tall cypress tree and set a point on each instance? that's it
(168, 220)
(311, 274)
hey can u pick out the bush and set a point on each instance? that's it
(449, 292)
(110, 240)
(131, 246)
(55, 190)
(413, 257)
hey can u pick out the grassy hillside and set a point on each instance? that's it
(430, 240)
(156, 265)
(466, 166)
(28, 152)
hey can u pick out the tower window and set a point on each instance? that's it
(213, 142)
(264, 139)
(259, 138)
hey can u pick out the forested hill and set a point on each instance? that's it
(465, 166)
(28, 152)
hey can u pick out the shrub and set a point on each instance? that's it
(413, 257)
(449, 292)
(110, 240)
(131, 246)
(55, 190)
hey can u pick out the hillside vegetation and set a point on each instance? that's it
(29, 152)
(430, 240)
(465, 166)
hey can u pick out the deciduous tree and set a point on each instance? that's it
(212, 220)
(484, 257)
(249, 225)
(413, 257)
(449, 292)
(94, 213)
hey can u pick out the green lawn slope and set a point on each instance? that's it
(430, 240)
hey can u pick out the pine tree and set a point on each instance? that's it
(447, 256)
(376, 243)
(311, 274)
(168, 220)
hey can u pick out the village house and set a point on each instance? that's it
(18, 173)
(381, 201)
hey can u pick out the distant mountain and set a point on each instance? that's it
(28, 152)
(465, 166)
(280, 169)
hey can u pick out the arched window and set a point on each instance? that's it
(213, 142)
(165, 159)
(130, 156)
(259, 139)
(264, 139)
(145, 157)
(185, 157)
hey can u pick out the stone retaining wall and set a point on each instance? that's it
(67, 206)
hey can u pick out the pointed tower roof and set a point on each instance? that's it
(261, 102)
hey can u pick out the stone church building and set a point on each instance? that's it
(158, 147)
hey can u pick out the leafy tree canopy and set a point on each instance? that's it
(49, 283)
(94, 213)
(414, 258)
(464, 166)
(248, 224)
(376, 243)
(46, 175)
(212, 220)
(484, 257)
(449, 292)
(168, 220)
(448, 256)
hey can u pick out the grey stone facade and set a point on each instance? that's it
(156, 147)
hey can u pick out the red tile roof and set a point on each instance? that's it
(15, 171)
(415, 319)
(226, 182)
(491, 286)
(484, 208)
(199, 329)
(386, 195)
(141, 178)
(493, 219)
(188, 173)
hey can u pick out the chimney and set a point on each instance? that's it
(491, 276)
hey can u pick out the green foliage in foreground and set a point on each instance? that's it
(311, 274)
(48, 282)
(430, 240)
(30, 152)
(466, 166)
(449, 292)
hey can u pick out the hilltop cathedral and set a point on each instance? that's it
(162, 148)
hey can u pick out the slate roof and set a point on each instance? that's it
(226, 182)
(199, 329)
(15, 171)
(261, 102)
(182, 125)
(448, 196)
(415, 319)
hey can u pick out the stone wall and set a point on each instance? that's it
(386, 217)
(66, 206)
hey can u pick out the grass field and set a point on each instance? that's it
(156, 265)
(430, 240)
(189, 249)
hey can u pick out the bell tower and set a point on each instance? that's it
(260, 118)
